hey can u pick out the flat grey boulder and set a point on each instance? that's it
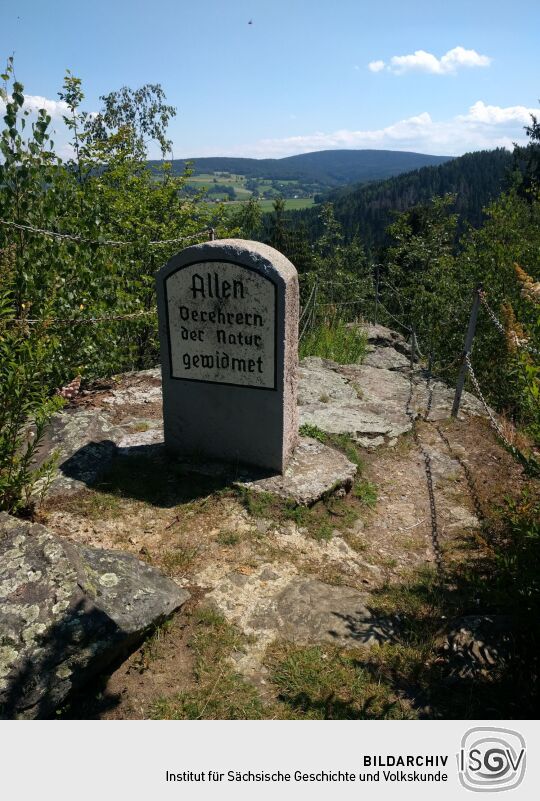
(314, 471)
(83, 440)
(308, 610)
(320, 383)
(68, 611)
(386, 359)
(379, 336)
(368, 401)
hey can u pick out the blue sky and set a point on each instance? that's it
(444, 77)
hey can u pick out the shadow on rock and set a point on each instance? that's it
(363, 629)
(142, 472)
(67, 612)
(41, 681)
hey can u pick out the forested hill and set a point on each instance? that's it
(327, 167)
(475, 179)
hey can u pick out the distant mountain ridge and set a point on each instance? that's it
(367, 209)
(331, 168)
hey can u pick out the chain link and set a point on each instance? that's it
(102, 242)
(430, 396)
(435, 541)
(453, 363)
(489, 413)
(471, 484)
(80, 320)
(406, 327)
(519, 343)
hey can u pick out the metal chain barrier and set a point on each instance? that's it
(406, 327)
(79, 320)
(467, 472)
(209, 232)
(338, 304)
(308, 311)
(104, 242)
(345, 283)
(435, 541)
(429, 391)
(488, 411)
(519, 343)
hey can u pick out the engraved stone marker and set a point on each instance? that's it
(228, 327)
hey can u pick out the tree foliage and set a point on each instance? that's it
(81, 304)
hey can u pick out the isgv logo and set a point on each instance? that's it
(491, 759)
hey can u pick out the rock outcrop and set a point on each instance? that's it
(67, 611)
(366, 402)
(314, 471)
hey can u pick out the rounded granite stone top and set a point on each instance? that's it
(246, 252)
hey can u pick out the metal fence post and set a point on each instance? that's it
(466, 350)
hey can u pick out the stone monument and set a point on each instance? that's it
(228, 328)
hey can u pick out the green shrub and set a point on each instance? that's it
(336, 340)
(25, 403)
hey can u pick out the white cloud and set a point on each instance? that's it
(495, 115)
(32, 103)
(422, 61)
(482, 127)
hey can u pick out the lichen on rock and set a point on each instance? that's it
(66, 612)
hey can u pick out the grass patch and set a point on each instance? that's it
(178, 560)
(325, 683)
(87, 503)
(152, 650)
(331, 512)
(335, 340)
(141, 426)
(257, 504)
(366, 492)
(319, 520)
(218, 692)
(348, 446)
(228, 538)
(313, 431)
(323, 532)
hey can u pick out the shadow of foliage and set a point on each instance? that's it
(37, 687)
(331, 707)
(468, 644)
